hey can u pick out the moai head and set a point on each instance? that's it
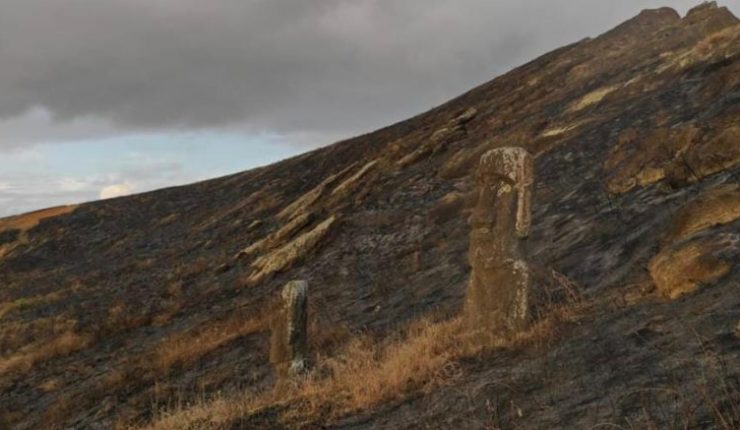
(505, 172)
(289, 341)
(498, 295)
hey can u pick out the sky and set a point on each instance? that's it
(104, 98)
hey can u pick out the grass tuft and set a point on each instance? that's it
(187, 347)
(365, 373)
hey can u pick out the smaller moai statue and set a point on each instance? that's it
(289, 326)
(497, 301)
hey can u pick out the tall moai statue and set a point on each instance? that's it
(289, 326)
(497, 301)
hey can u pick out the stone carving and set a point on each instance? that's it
(498, 295)
(289, 326)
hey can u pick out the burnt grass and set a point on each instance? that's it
(134, 271)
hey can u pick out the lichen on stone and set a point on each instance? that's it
(285, 232)
(283, 257)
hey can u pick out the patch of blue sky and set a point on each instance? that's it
(198, 154)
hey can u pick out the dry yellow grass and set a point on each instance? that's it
(185, 348)
(366, 373)
(25, 222)
(24, 360)
(29, 302)
(30, 220)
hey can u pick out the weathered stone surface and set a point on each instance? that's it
(345, 187)
(289, 327)
(437, 142)
(687, 260)
(716, 154)
(688, 152)
(302, 203)
(466, 116)
(498, 293)
(289, 253)
(592, 98)
(720, 205)
(682, 269)
(285, 232)
(638, 160)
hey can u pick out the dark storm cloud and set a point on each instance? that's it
(326, 66)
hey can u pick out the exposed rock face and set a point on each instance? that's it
(289, 326)
(687, 259)
(284, 233)
(682, 269)
(289, 253)
(498, 294)
(345, 187)
(682, 155)
(718, 206)
(453, 130)
(304, 203)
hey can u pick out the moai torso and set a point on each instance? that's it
(498, 293)
(289, 338)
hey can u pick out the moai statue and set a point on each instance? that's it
(497, 302)
(289, 326)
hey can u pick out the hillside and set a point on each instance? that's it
(141, 310)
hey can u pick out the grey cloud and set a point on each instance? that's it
(38, 126)
(286, 66)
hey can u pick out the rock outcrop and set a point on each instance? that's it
(687, 259)
(285, 232)
(678, 270)
(304, 202)
(453, 130)
(284, 256)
